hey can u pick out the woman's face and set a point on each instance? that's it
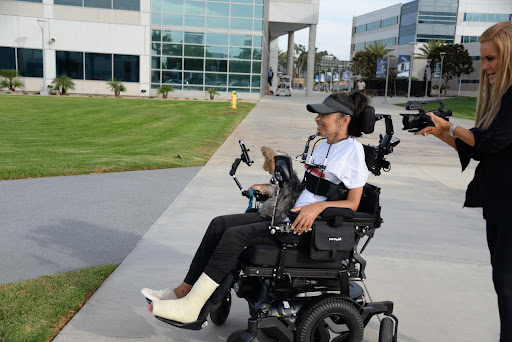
(490, 58)
(332, 126)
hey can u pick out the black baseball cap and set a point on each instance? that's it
(329, 106)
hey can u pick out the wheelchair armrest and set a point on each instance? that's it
(331, 212)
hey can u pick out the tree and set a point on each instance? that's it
(212, 92)
(63, 83)
(300, 59)
(282, 60)
(11, 80)
(429, 49)
(116, 86)
(164, 90)
(457, 62)
(365, 61)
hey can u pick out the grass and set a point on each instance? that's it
(461, 107)
(55, 136)
(36, 309)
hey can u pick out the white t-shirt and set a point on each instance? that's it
(361, 85)
(345, 163)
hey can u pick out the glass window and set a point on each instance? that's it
(156, 35)
(259, 2)
(256, 67)
(258, 12)
(98, 3)
(256, 54)
(192, 78)
(155, 62)
(194, 50)
(258, 25)
(217, 9)
(218, 65)
(220, 23)
(156, 5)
(30, 62)
(156, 48)
(155, 86)
(255, 81)
(408, 19)
(172, 36)
(239, 80)
(194, 37)
(130, 5)
(239, 90)
(194, 64)
(243, 11)
(195, 88)
(7, 58)
(70, 64)
(241, 24)
(240, 66)
(172, 63)
(240, 40)
(155, 76)
(216, 39)
(126, 68)
(194, 21)
(194, 7)
(172, 19)
(172, 6)
(256, 41)
(68, 2)
(240, 53)
(156, 18)
(172, 49)
(32, 0)
(217, 51)
(243, 1)
(172, 77)
(98, 66)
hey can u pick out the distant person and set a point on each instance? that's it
(361, 86)
(270, 77)
(490, 143)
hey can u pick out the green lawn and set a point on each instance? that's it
(461, 107)
(55, 136)
(36, 309)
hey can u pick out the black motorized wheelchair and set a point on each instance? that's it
(307, 289)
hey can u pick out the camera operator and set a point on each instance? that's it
(490, 142)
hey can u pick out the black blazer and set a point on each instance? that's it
(491, 187)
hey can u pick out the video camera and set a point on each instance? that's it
(416, 122)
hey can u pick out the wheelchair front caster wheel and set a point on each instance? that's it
(386, 330)
(330, 318)
(242, 336)
(220, 312)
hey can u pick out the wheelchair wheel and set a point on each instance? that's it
(242, 336)
(386, 330)
(220, 312)
(332, 319)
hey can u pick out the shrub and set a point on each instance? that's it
(164, 90)
(63, 84)
(212, 92)
(116, 86)
(11, 80)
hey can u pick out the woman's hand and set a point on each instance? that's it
(441, 126)
(262, 188)
(307, 216)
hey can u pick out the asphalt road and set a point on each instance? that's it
(58, 224)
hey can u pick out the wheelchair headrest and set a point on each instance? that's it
(283, 168)
(367, 119)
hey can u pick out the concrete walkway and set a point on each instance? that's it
(429, 257)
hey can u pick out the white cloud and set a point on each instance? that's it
(335, 24)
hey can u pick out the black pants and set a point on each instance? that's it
(499, 240)
(225, 239)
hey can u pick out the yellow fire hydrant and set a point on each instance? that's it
(233, 100)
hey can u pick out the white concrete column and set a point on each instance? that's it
(289, 64)
(310, 74)
(273, 60)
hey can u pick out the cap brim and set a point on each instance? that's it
(320, 109)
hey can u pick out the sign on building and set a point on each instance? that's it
(381, 67)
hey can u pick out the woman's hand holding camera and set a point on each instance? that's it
(441, 126)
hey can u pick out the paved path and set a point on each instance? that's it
(429, 257)
(58, 224)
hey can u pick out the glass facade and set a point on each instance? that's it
(70, 64)
(129, 5)
(30, 62)
(209, 44)
(487, 17)
(7, 58)
(377, 24)
(361, 46)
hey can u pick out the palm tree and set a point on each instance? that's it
(10, 80)
(379, 49)
(212, 92)
(428, 48)
(164, 90)
(116, 86)
(63, 83)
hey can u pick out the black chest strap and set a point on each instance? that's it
(320, 186)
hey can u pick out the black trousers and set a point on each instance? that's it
(499, 240)
(225, 239)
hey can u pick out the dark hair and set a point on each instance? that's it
(357, 102)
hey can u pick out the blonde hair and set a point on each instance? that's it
(489, 96)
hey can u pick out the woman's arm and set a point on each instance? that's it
(441, 129)
(309, 213)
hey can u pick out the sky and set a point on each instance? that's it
(335, 23)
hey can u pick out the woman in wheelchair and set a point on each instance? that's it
(338, 159)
